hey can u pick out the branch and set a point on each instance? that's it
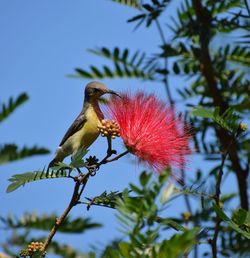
(74, 200)
(117, 157)
(213, 242)
(189, 207)
(165, 63)
(81, 179)
(110, 152)
(248, 8)
(207, 70)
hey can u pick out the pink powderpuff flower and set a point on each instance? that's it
(150, 130)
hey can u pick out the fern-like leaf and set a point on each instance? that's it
(150, 12)
(230, 222)
(22, 179)
(131, 3)
(228, 120)
(11, 152)
(125, 65)
(46, 222)
(239, 54)
(7, 109)
(106, 199)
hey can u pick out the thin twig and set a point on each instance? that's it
(117, 157)
(213, 241)
(110, 152)
(165, 63)
(81, 179)
(189, 208)
(248, 8)
(59, 221)
(186, 197)
(217, 194)
(84, 181)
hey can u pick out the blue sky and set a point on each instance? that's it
(41, 43)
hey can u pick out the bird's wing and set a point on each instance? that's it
(75, 127)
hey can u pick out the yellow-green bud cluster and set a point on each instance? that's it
(243, 127)
(35, 246)
(186, 216)
(109, 128)
(32, 248)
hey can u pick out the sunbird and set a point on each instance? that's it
(84, 130)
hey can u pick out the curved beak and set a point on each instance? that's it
(114, 93)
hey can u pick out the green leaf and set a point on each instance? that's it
(107, 199)
(179, 244)
(9, 108)
(137, 17)
(228, 120)
(124, 248)
(131, 3)
(144, 178)
(46, 222)
(230, 223)
(240, 217)
(170, 223)
(125, 65)
(84, 74)
(10, 152)
(202, 112)
(240, 55)
(77, 159)
(21, 179)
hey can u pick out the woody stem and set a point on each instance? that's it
(74, 200)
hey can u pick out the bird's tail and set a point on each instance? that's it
(53, 162)
(59, 157)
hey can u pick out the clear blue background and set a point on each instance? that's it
(42, 42)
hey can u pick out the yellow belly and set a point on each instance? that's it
(89, 132)
(83, 138)
(87, 135)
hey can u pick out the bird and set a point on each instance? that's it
(84, 130)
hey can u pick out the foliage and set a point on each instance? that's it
(106, 199)
(125, 65)
(11, 152)
(132, 3)
(228, 120)
(21, 240)
(13, 104)
(240, 218)
(22, 179)
(46, 221)
(217, 88)
(139, 215)
(205, 44)
(61, 170)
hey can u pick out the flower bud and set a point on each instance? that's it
(109, 128)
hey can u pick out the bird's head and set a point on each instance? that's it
(94, 90)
